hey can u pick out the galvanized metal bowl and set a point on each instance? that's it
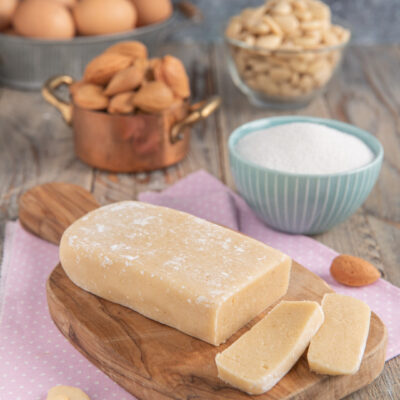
(27, 63)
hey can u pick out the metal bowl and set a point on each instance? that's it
(27, 63)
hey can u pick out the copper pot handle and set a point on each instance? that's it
(48, 92)
(198, 112)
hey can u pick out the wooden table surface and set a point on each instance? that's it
(36, 147)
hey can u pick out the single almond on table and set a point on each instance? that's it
(353, 271)
(154, 97)
(102, 68)
(173, 73)
(133, 49)
(91, 97)
(122, 103)
(126, 79)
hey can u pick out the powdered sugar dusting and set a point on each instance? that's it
(205, 262)
(99, 227)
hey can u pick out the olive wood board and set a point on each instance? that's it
(153, 361)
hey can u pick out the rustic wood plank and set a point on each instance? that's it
(368, 95)
(351, 98)
(361, 98)
(35, 147)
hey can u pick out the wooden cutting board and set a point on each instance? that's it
(153, 361)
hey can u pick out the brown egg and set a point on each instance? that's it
(152, 11)
(7, 9)
(100, 17)
(67, 3)
(45, 19)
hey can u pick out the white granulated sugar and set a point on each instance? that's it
(305, 148)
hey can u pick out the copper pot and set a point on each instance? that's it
(129, 143)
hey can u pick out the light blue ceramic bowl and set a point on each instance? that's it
(303, 203)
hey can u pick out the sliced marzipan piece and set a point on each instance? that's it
(338, 347)
(264, 355)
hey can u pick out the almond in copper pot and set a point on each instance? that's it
(175, 76)
(102, 68)
(171, 71)
(122, 103)
(73, 87)
(127, 79)
(154, 97)
(91, 97)
(131, 49)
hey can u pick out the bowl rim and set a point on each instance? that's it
(286, 119)
(92, 39)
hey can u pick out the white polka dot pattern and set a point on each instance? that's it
(34, 356)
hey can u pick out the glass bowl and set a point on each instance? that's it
(282, 78)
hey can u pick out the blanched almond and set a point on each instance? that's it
(234, 28)
(102, 68)
(132, 49)
(275, 28)
(269, 41)
(262, 28)
(288, 23)
(315, 24)
(154, 97)
(122, 103)
(252, 16)
(91, 97)
(282, 8)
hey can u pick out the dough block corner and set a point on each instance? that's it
(200, 278)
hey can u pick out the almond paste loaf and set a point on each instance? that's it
(200, 278)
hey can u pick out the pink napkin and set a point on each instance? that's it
(34, 356)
